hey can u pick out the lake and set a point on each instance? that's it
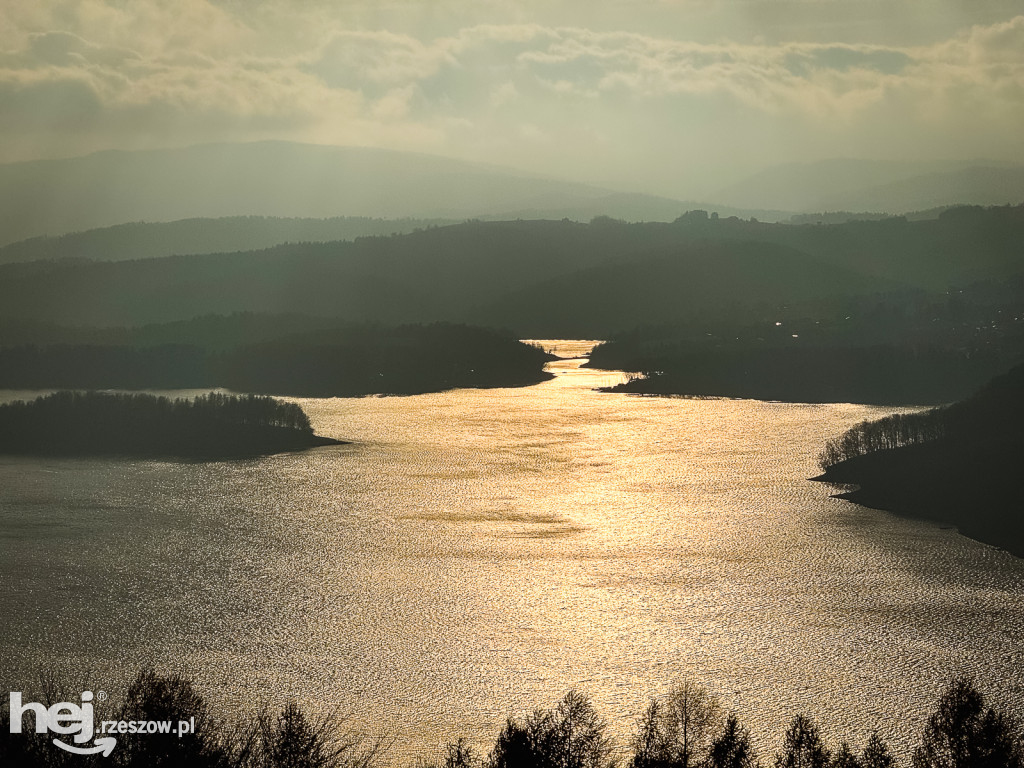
(476, 553)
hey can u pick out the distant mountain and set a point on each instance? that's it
(977, 185)
(141, 240)
(807, 186)
(878, 186)
(281, 179)
(230, 234)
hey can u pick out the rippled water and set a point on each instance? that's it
(476, 553)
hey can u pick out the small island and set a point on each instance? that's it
(957, 464)
(211, 426)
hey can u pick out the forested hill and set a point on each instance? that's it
(292, 355)
(958, 464)
(516, 274)
(905, 347)
(715, 281)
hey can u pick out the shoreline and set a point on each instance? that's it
(973, 492)
(313, 441)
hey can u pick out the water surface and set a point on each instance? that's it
(476, 553)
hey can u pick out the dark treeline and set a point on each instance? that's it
(687, 728)
(994, 414)
(883, 434)
(254, 353)
(208, 426)
(842, 217)
(957, 464)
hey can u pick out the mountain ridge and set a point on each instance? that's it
(286, 179)
(896, 187)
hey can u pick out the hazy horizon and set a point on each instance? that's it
(679, 99)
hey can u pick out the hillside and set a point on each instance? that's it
(805, 186)
(713, 281)
(905, 346)
(490, 273)
(960, 245)
(534, 277)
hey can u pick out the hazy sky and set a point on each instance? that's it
(668, 96)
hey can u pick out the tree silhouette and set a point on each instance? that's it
(963, 734)
(677, 732)
(152, 696)
(571, 736)
(650, 749)
(876, 754)
(459, 754)
(732, 748)
(290, 740)
(844, 757)
(803, 746)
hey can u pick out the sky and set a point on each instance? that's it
(674, 97)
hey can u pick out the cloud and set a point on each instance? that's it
(89, 74)
(998, 42)
(376, 60)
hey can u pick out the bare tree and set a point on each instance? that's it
(677, 732)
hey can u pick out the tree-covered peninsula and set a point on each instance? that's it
(206, 427)
(956, 464)
(289, 355)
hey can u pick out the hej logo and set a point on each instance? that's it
(64, 718)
